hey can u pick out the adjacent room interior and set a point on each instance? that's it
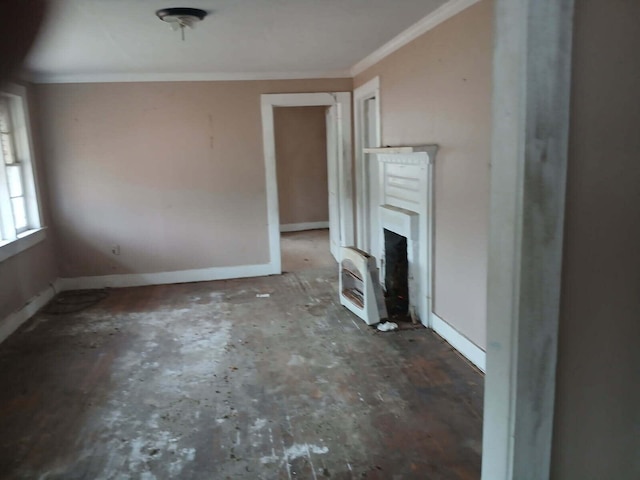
(202, 231)
(303, 190)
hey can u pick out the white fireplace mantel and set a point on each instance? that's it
(428, 149)
(404, 200)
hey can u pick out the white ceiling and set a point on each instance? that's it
(93, 39)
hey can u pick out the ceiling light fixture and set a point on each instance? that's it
(181, 17)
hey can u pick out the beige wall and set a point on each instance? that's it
(171, 172)
(301, 163)
(437, 89)
(25, 275)
(597, 417)
(30, 272)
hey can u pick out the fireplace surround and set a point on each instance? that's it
(405, 206)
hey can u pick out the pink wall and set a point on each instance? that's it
(597, 415)
(30, 272)
(172, 172)
(25, 275)
(301, 164)
(437, 89)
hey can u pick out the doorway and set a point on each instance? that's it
(303, 190)
(338, 153)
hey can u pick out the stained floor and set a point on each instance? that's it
(217, 380)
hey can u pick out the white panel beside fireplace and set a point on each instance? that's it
(406, 204)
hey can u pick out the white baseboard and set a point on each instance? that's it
(161, 278)
(466, 347)
(11, 323)
(299, 227)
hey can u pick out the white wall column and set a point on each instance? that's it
(532, 64)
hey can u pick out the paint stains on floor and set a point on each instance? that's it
(211, 381)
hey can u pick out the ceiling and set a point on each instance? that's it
(119, 39)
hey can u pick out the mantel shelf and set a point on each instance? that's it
(400, 150)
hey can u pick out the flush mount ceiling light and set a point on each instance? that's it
(181, 17)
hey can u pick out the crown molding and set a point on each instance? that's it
(179, 77)
(435, 18)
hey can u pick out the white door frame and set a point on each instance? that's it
(369, 90)
(341, 100)
(531, 91)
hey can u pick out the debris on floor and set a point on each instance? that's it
(387, 326)
(263, 295)
(205, 381)
(74, 301)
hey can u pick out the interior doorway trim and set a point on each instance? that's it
(342, 102)
(531, 92)
(365, 92)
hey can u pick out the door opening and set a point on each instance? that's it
(303, 192)
(338, 158)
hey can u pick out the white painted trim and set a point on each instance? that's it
(364, 92)
(459, 341)
(298, 99)
(268, 102)
(271, 179)
(24, 241)
(435, 18)
(422, 163)
(299, 227)
(530, 131)
(182, 77)
(162, 278)
(17, 96)
(345, 166)
(12, 322)
(399, 150)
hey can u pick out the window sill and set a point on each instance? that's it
(24, 241)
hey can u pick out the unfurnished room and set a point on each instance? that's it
(304, 239)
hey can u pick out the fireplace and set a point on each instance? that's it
(404, 198)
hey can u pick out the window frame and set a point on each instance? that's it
(13, 240)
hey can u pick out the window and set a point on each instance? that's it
(19, 209)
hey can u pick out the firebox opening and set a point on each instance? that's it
(396, 277)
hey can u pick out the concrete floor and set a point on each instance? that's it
(306, 250)
(214, 380)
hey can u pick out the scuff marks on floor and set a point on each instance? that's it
(208, 381)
